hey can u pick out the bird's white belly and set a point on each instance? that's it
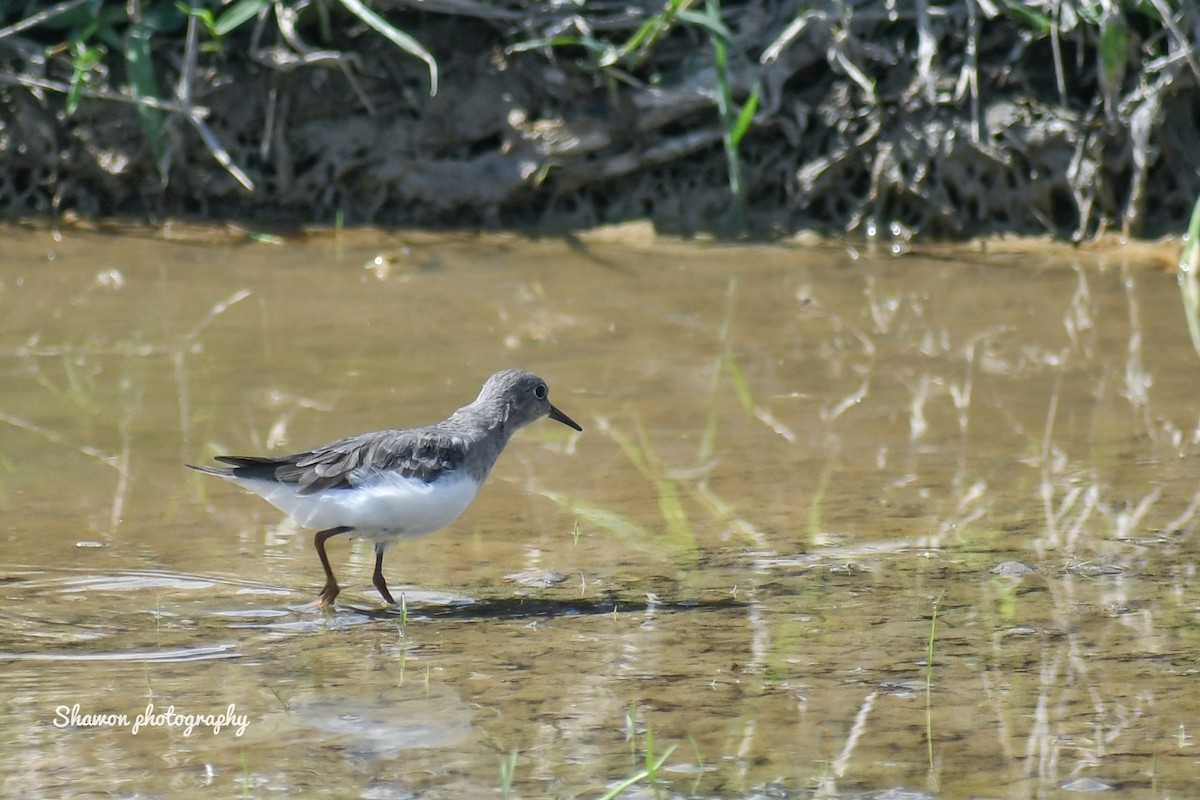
(392, 508)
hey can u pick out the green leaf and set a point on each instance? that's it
(652, 29)
(710, 22)
(239, 13)
(84, 59)
(1029, 15)
(1146, 9)
(744, 118)
(564, 40)
(203, 14)
(163, 17)
(85, 17)
(1114, 43)
(143, 84)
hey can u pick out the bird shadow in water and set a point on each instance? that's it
(525, 607)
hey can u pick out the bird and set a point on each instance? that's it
(392, 484)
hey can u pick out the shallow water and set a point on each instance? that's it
(803, 470)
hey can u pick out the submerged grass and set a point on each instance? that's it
(673, 485)
(929, 650)
(649, 772)
(508, 769)
(678, 531)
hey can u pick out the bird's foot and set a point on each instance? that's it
(328, 594)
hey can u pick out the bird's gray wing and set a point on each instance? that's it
(422, 453)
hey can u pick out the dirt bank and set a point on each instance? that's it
(947, 121)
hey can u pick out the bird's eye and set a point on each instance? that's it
(540, 391)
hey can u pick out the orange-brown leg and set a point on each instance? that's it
(377, 578)
(331, 589)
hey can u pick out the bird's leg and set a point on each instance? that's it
(330, 591)
(377, 578)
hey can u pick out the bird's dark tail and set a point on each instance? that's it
(220, 473)
(245, 467)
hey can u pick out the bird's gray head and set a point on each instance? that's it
(523, 396)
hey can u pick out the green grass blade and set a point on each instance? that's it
(1030, 16)
(83, 60)
(239, 13)
(650, 31)
(744, 118)
(143, 83)
(203, 14)
(638, 776)
(396, 36)
(710, 21)
(1114, 43)
(559, 40)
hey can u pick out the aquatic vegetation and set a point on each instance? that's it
(652, 763)
(671, 483)
(929, 653)
(508, 769)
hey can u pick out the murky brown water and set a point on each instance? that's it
(792, 460)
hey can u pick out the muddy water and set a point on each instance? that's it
(803, 472)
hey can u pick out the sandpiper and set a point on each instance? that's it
(392, 484)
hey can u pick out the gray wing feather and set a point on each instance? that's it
(423, 453)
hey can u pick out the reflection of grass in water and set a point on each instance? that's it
(678, 539)
(679, 534)
(245, 773)
(725, 369)
(602, 518)
(508, 767)
(1189, 276)
(814, 512)
(929, 687)
(284, 705)
(651, 764)
(80, 391)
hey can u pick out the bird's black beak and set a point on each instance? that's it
(558, 416)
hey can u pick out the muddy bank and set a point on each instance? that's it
(945, 121)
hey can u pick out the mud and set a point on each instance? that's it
(939, 122)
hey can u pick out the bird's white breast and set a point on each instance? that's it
(392, 507)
